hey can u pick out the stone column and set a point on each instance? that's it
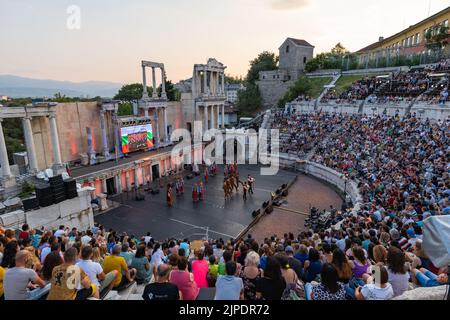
(205, 117)
(205, 82)
(163, 84)
(104, 186)
(166, 134)
(55, 142)
(155, 93)
(29, 141)
(223, 116)
(104, 136)
(144, 85)
(150, 172)
(136, 177)
(194, 83)
(223, 82)
(119, 182)
(146, 112)
(213, 121)
(127, 178)
(156, 127)
(6, 170)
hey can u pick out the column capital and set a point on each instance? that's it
(27, 117)
(52, 115)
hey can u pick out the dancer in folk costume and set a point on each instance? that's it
(195, 193)
(225, 171)
(250, 181)
(235, 168)
(169, 195)
(178, 187)
(182, 185)
(245, 189)
(201, 190)
(206, 175)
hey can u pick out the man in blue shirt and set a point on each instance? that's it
(229, 287)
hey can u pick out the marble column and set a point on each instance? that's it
(156, 127)
(205, 82)
(144, 85)
(104, 136)
(6, 170)
(223, 116)
(29, 141)
(205, 118)
(55, 142)
(136, 177)
(155, 92)
(163, 84)
(223, 82)
(119, 183)
(213, 121)
(150, 172)
(104, 186)
(166, 134)
(127, 179)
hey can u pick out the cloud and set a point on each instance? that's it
(288, 4)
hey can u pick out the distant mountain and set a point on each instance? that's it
(21, 87)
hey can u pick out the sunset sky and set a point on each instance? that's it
(115, 35)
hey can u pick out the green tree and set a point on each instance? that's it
(436, 39)
(265, 61)
(233, 80)
(130, 92)
(339, 50)
(172, 93)
(301, 87)
(249, 100)
(125, 109)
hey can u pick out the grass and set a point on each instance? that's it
(345, 82)
(317, 85)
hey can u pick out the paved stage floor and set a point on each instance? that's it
(224, 219)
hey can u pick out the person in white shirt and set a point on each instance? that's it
(95, 271)
(86, 238)
(158, 255)
(380, 290)
(60, 232)
(148, 238)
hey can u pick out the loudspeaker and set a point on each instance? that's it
(265, 204)
(284, 186)
(189, 176)
(44, 194)
(256, 213)
(30, 204)
(285, 193)
(140, 197)
(269, 210)
(155, 191)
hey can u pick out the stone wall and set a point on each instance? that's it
(272, 91)
(75, 212)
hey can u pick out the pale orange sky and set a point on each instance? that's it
(115, 34)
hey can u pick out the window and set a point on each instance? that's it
(418, 38)
(446, 23)
(287, 49)
(304, 59)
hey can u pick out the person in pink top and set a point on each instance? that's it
(200, 269)
(184, 280)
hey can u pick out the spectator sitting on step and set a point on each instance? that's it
(229, 287)
(116, 262)
(162, 289)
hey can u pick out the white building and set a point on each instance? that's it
(231, 91)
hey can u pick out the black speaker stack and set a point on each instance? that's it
(44, 194)
(57, 187)
(30, 204)
(70, 188)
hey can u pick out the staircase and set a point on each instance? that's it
(325, 90)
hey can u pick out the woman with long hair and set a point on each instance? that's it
(272, 285)
(9, 254)
(312, 266)
(329, 288)
(52, 260)
(397, 273)
(342, 266)
(144, 270)
(200, 269)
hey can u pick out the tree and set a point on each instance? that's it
(172, 93)
(249, 100)
(301, 87)
(233, 80)
(339, 49)
(437, 39)
(265, 61)
(125, 109)
(130, 92)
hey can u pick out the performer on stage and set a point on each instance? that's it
(245, 188)
(182, 185)
(250, 181)
(178, 187)
(225, 171)
(195, 193)
(206, 175)
(169, 196)
(201, 190)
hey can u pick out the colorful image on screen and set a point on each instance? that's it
(136, 138)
